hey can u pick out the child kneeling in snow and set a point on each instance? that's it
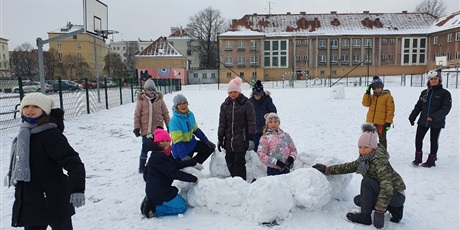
(162, 198)
(276, 148)
(382, 188)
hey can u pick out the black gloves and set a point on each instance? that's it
(220, 146)
(280, 164)
(210, 145)
(137, 132)
(411, 122)
(368, 89)
(387, 126)
(320, 167)
(379, 219)
(289, 162)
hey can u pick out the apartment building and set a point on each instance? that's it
(272, 46)
(5, 70)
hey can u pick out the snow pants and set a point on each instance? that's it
(173, 207)
(370, 189)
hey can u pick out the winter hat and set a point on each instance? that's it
(161, 135)
(271, 116)
(369, 136)
(150, 85)
(377, 82)
(179, 98)
(38, 99)
(434, 74)
(235, 85)
(258, 88)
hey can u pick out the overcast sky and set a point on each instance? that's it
(25, 20)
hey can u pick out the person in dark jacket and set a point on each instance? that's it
(162, 169)
(433, 106)
(236, 130)
(44, 195)
(382, 188)
(263, 104)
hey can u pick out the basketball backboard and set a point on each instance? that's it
(441, 61)
(95, 16)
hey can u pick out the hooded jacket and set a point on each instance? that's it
(381, 108)
(276, 145)
(261, 107)
(434, 102)
(142, 114)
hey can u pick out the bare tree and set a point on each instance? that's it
(205, 26)
(434, 7)
(114, 66)
(24, 61)
(52, 63)
(74, 67)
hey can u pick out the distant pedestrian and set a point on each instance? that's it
(276, 150)
(381, 108)
(263, 104)
(150, 112)
(45, 194)
(237, 127)
(433, 106)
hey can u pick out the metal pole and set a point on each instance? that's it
(97, 69)
(41, 65)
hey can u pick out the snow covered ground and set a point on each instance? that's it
(322, 128)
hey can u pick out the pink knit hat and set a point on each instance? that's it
(369, 136)
(161, 135)
(270, 116)
(235, 85)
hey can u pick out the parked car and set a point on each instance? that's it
(65, 85)
(91, 85)
(111, 84)
(33, 86)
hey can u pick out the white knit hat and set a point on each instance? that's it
(38, 99)
(235, 85)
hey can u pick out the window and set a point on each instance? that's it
(334, 59)
(356, 58)
(59, 46)
(384, 41)
(384, 56)
(457, 55)
(242, 61)
(392, 41)
(78, 46)
(334, 72)
(253, 60)
(368, 58)
(334, 44)
(204, 75)
(414, 51)
(448, 56)
(321, 72)
(345, 59)
(345, 43)
(228, 45)
(275, 53)
(79, 55)
(305, 57)
(305, 42)
(189, 53)
(322, 58)
(228, 61)
(213, 75)
(367, 42)
(75, 37)
(124, 47)
(229, 75)
(60, 56)
(457, 37)
(391, 56)
(241, 45)
(298, 42)
(195, 75)
(118, 48)
(114, 48)
(253, 44)
(322, 44)
(449, 38)
(356, 43)
(242, 74)
(298, 58)
(435, 40)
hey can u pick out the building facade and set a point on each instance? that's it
(5, 71)
(270, 47)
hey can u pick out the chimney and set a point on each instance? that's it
(288, 13)
(366, 12)
(404, 11)
(255, 14)
(316, 23)
(333, 12)
(302, 12)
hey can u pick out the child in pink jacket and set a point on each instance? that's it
(276, 148)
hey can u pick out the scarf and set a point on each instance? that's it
(20, 152)
(363, 164)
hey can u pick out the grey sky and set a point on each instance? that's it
(24, 20)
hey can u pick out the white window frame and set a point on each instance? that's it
(305, 42)
(384, 41)
(241, 44)
(384, 56)
(253, 44)
(345, 58)
(322, 44)
(228, 45)
(275, 55)
(392, 41)
(412, 52)
(78, 46)
(334, 43)
(356, 58)
(345, 43)
(305, 57)
(449, 38)
(435, 40)
(241, 61)
(368, 43)
(356, 43)
(228, 61)
(457, 36)
(58, 46)
(322, 58)
(391, 56)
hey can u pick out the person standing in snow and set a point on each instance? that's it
(162, 199)
(433, 106)
(263, 104)
(382, 188)
(237, 126)
(150, 112)
(44, 195)
(381, 108)
(276, 150)
(183, 129)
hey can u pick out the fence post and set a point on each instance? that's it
(87, 95)
(132, 89)
(105, 91)
(21, 92)
(121, 90)
(60, 92)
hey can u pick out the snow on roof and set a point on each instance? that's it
(69, 28)
(332, 24)
(445, 23)
(160, 48)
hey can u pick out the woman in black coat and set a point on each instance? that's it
(44, 195)
(433, 106)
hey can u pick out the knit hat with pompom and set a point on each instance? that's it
(40, 100)
(369, 136)
(235, 85)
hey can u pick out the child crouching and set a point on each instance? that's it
(162, 199)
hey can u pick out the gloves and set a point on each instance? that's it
(280, 164)
(411, 122)
(77, 199)
(378, 219)
(220, 146)
(199, 166)
(387, 126)
(137, 132)
(251, 145)
(289, 162)
(210, 145)
(320, 167)
(368, 89)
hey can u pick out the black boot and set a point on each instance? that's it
(396, 213)
(418, 158)
(430, 162)
(360, 218)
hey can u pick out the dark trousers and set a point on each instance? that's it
(257, 136)
(202, 152)
(434, 137)
(370, 189)
(236, 163)
(62, 225)
(381, 130)
(274, 172)
(147, 146)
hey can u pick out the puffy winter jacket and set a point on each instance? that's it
(261, 107)
(381, 108)
(276, 145)
(434, 102)
(142, 113)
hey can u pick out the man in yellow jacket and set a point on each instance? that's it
(381, 108)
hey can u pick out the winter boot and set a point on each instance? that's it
(418, 158)
(396, 213)
(360, 218)
(430, 162)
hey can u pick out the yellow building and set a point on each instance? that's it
(82, 46)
